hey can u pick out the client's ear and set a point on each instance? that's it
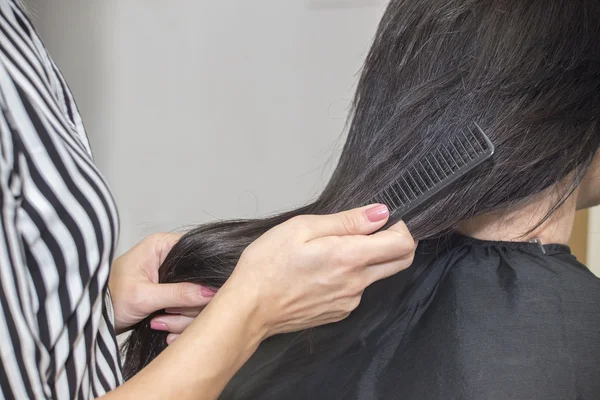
(589, 189)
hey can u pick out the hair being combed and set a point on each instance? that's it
(527, 71)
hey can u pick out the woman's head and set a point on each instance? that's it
(528, 72)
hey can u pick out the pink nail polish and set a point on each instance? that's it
(158, 326)
(377, 213)
(207, 292)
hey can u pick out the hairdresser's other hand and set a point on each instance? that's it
(134, 286)
(312, 270)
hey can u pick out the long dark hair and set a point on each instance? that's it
(527, 71)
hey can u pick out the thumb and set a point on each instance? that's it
(180, 295)
(360, 221)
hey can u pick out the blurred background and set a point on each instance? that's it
(201, 110)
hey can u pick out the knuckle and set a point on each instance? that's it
(404, 263)
(352, 304)
(406, 243)
(342, 316)
(183, 291)
(408, 256)
(350, 223)
(178, 291)
(407, 262)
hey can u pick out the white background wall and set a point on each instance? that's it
(210, 109)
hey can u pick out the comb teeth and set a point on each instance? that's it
(446, 164)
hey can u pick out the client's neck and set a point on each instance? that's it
(515, 224)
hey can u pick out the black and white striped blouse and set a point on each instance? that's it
(58, 233)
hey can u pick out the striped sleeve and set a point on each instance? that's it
(23, 360)
(58, 232)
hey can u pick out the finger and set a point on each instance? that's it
(188, 312)
(171, 337)
(391, 244)
(381, 247)
(362, 251)
(179, 295)
(378, 272)
(360, 221)
(399, 227)
(171, 323)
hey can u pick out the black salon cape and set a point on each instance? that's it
(469, 320)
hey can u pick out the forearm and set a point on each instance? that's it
(206, 356)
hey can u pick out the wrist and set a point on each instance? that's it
(119, 327)
(243, 303)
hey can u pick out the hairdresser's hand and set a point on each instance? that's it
(312, 270)
(134, 286)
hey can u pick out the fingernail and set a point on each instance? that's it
(377, 213)
(173, 310)
(207, 292)
(158, 326)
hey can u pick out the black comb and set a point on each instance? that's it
(425, 178)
